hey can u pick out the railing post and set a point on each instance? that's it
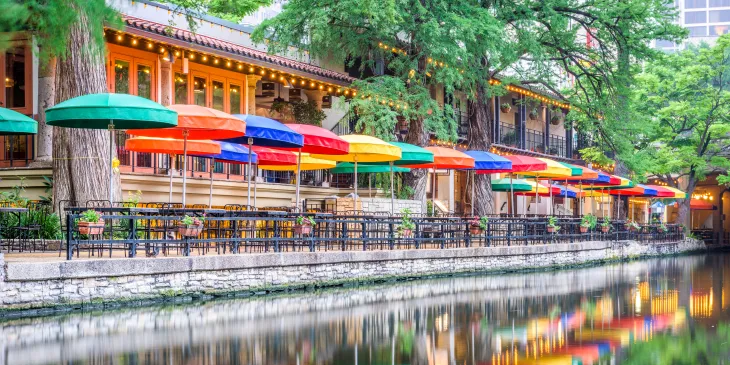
(69, 236)
(391, 234)
(509, 233)
(277, 236)
(132, 236)
(467, 241)
(488, 237)
(363, 234)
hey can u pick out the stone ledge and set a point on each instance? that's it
(36, 271)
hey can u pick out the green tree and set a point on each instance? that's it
(425, 45)
(679, 119)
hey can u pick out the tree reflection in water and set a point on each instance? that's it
(645, 312)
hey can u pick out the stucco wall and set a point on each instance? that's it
(38, 284)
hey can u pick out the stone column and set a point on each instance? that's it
(251, 81)
(166, 83)
(316, 95)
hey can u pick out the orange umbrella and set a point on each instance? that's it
(444, 158)
(171, 146)
(196, 122)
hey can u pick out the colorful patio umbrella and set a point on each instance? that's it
(110, 111)
(365, 148)
(410, 154)
(171, 146)
(696, 204)
(272, 157)
(13, 123)
(638, 190)
(265, 132)
(505, 184)
(615, 183)
(586, 176)
(487, 163)
(678, 194)
(233, 153)
(308, 163)
(194, 123)
(444, 158)
(662, 192)
(520, 164)
(553, 170)
(320, 141)
(541, 189)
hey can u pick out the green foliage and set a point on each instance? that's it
(406, 223)
(692, 345)
(480, 222)
(231, 10)
(192, 221)
(589, 221)
(553, 222)
(48, 190)
(90, 216)
(304, 220)
(15, 195)
(51, 21)
(132, 199)
(606, 222)
(430, 208)
(49, 224)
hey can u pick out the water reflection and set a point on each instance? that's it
(608, 315)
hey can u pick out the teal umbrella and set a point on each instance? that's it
(14, 123)
(503, 184)
(349, 168)
(110, 111)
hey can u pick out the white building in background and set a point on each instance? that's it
(706, 20)
(263, 13)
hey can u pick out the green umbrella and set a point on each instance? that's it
(504, 185)
(110, 111)
(349, 168)
(14, 123)
(574, 170)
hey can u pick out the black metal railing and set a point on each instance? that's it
(557, 146)
(535, 140)
(131, 231)
(508, 135)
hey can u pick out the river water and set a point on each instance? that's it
(659, 311)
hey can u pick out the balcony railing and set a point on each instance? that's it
(508, 135)
(535, 140)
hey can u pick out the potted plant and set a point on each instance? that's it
(533, 114)
(91, 223)
(555, 119)
(477, 225)
(552, 226)
(606, 225)
(406, 226)
(505, 107)
(190, 226)
(587, 222)
(303, 225)
(663, 228)
(632, 226)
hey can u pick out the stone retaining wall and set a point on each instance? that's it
(47, 284)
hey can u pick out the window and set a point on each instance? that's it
(234, 99)
(718, 29)
(719, 3)
(695, 17)
(664, 44)
(144, 81)
(181, 88)
(695, 4)
(218, 95)
(121, 77)
(15, 78)
(697, 31)
(717, 16)
(199, 91)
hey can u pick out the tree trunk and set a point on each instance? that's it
(416, 179)
(46, 99)
(81, 156)
(683, 214)
(479, 138)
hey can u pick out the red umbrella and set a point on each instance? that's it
(270, 156)
(319, 141)
(662, 192)
(520, 164)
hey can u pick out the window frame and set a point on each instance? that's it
(135, 58)
(211, 74)
(28, 75)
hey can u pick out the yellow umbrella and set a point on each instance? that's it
(678, 194)
(365, 149)
(308, 163)
(554, 170)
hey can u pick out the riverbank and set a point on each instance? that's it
(44, 287)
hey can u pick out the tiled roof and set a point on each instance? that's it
(233, 49)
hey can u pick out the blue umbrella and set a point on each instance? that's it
(565, 192)
(488, 163)
(266, 132)
(231, 153)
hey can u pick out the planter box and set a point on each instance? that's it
(303, 229)
(475, 230)
(550, 229)
(189, 231)
(89, 228)
(605, 229)
(583, 229)
(406, 233)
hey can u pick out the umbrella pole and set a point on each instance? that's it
(185, 165)
(537, 190)
(355, 184)
(511, 205)
(550, 184)
(250, 171)
(210, 194)
(580, 198)
(299, 166)
(111, 162)
(618, 205)
(255, 185)
(593, 201)
(392, 193)
(433, 193)
(170, 170)
(473, 200)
